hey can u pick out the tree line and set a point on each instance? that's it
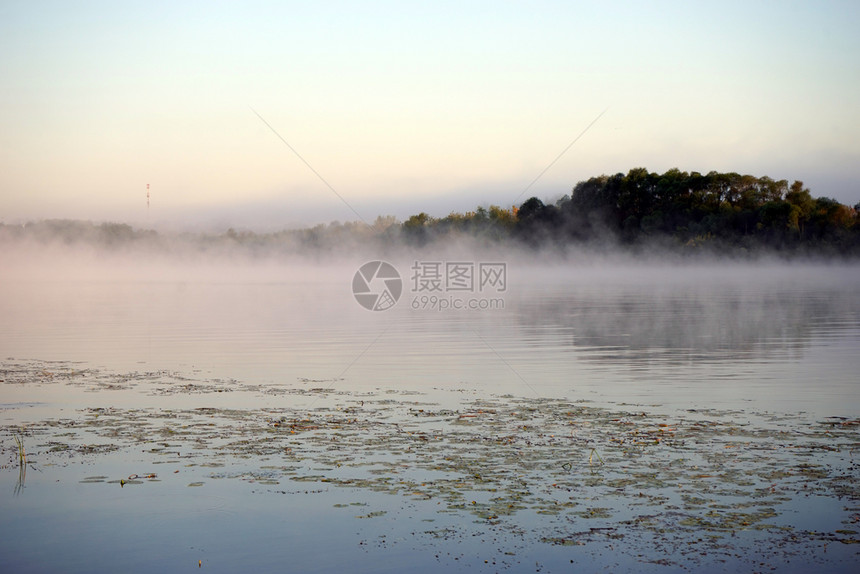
(722, 213)
(688, 211)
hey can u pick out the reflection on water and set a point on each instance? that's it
(669, 334)
(635, 326)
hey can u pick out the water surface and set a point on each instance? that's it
(210, 361)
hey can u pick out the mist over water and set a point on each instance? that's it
(259, 378)
(595, 326)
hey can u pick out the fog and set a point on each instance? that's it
(601, 324)
(60, 250)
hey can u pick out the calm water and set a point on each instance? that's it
(746, 338)
(782, 338)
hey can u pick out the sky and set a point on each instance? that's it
(281, 114)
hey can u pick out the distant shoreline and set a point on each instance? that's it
(638, 213)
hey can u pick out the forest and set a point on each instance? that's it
(717, 212)
(688, 213)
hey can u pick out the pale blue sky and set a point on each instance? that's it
(403, 108)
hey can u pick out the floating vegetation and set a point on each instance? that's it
(553, 471)
(373, 514)
(93, 480)
(162, 382)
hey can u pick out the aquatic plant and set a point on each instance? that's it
(708, 485)
(592, 454)
(22, 454)
(22, 463)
